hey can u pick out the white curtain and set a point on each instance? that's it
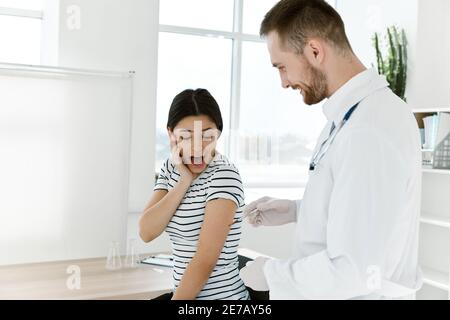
(64, 153)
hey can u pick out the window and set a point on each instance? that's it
(20, 31)
(268, 131)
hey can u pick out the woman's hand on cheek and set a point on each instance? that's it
(186, 175)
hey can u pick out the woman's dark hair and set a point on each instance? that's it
(194, 103)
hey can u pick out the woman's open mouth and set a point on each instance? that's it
(197, 162)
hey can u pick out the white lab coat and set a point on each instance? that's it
(357, 224)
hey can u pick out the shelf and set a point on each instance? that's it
(436, 171)
(435, 220)
(431, 110)
(434, 278)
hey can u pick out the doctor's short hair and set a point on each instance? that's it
(196, 102)
(296, 21)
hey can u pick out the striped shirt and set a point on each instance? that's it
(220, 180)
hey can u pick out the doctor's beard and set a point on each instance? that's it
(316, 91)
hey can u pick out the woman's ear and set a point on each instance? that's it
(170, 134)
(172, 139)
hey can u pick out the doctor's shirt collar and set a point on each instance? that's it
(352, 92)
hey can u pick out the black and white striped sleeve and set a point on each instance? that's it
(163, 178)
(226, 183)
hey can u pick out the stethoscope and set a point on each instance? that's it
(327, 143)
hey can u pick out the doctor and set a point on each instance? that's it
(357, 224)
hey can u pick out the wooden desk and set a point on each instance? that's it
(47, 281)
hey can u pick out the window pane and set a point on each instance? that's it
(24, 44)
(205, 14)
(22, 4)
(254, 12)
(277, 130)
(190, 62)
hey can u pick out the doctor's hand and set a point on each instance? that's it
(253, 274)
(268, 211)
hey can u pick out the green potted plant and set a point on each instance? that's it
(394, 64)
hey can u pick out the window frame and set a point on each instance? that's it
(23, 13)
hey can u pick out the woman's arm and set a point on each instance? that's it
(219, 216)
(160, 210)
(163, 204)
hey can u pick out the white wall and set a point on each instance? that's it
(432, 74)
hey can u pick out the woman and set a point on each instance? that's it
(198, 200)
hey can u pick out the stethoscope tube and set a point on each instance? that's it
(327, 143)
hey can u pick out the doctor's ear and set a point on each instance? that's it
(314, 52)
